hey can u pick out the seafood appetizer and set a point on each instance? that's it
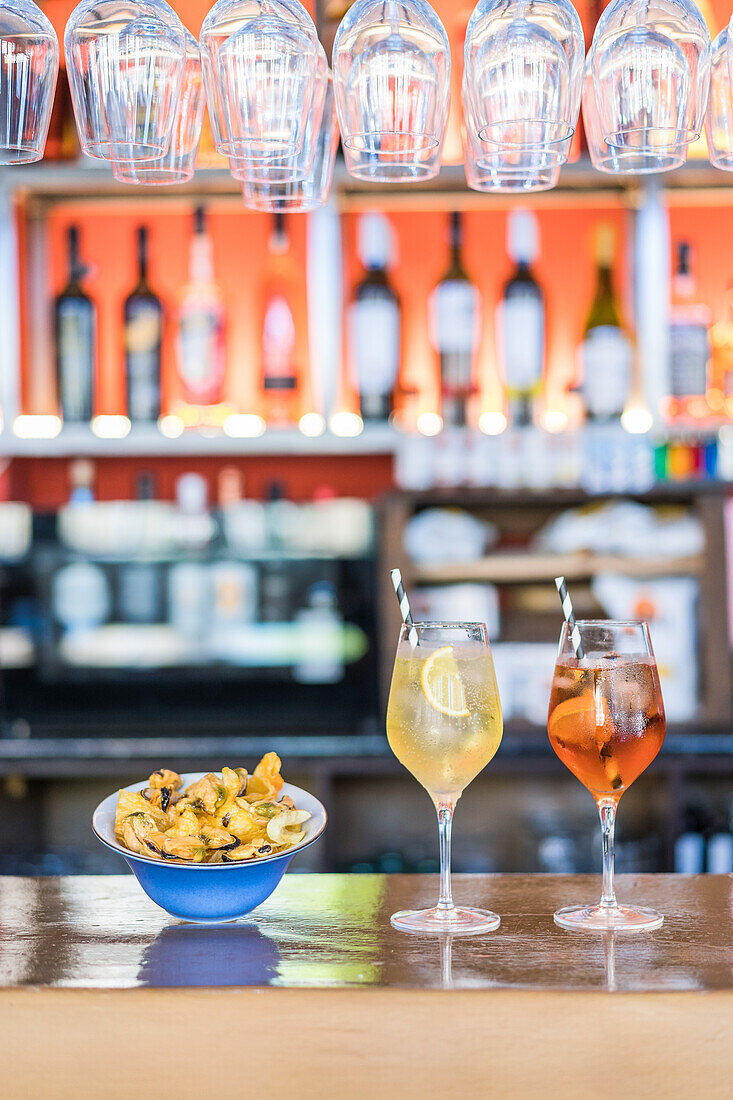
(218, 819)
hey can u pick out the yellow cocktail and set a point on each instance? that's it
(444, 724)
(444, 716)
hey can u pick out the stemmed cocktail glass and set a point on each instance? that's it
(444, 724)
(606, 723)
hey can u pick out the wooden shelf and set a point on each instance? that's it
(76, 440)
(512, 568)
(85, 178)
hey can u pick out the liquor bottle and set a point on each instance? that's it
(455, 324)
(521, 320)
(689, 340)
(76, 339)
(201, 323)
(606, 352)
(143, 339)
(280, 381)
(375, 321)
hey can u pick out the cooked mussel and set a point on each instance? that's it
(217, 839)
(164, 777)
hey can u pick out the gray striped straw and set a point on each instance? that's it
(404, 606)
(567, 610)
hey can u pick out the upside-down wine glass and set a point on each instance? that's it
(125, 61)
(259, 59)
(444, 724)
(523, 78)
(179, 163)
(295, 166)
(312, 191)
(651, 73)
(29, 65)
(606, 723)
(608, 158)
(391, 77)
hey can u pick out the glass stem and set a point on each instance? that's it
(445, 824)
(607, 811)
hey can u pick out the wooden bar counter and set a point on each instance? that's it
(102, 995)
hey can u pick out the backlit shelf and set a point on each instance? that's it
(506, 568)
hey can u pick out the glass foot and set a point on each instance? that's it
(597, 918)
(452, 922)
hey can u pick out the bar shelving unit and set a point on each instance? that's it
(333, 763)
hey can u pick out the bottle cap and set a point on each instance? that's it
(376, 244)
(522, 236)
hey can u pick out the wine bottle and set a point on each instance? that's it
(375, 321)
(143, 339)
(689, 338)
(201, 323)
(75, 317)
(606, 351)
(455, 321)
(521, 320)
(279, 365)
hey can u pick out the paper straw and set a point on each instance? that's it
(567, 610)
(404, 606)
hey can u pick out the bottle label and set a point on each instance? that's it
(455, 314)
(606, 363)
(278, 346)
(142, 346)
(75, 336)
(201, 351)
(374, 328)
(522, 324)
(689, 354)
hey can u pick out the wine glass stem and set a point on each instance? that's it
(607, 811)
(445, 825)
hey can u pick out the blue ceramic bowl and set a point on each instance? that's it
(209, 893)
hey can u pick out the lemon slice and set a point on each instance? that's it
(442, 685)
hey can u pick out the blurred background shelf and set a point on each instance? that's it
(507, 568)
(78, 440)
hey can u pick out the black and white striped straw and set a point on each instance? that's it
(567, 610)
(404, 606)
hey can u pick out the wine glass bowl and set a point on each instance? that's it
(719, 114)
(295, 166)
(260, 59)
(310, 191)
(651, 68)
(523, 77)
(29, 65)
(609, 158)
(179, 163)
(125, 61)
(513, 171)
(606, 723)
(391, 71)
